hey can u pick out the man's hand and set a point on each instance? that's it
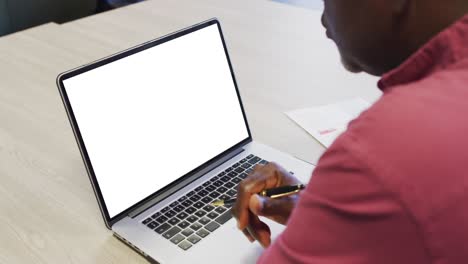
(249, 205)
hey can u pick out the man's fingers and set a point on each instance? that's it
(256, 204)
(259, 230)
(241, 207)
(261, 178)
(265, 206)
(277, 210)
(248, 235)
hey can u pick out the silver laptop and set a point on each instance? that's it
(162, 132)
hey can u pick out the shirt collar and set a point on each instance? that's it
(447, 48)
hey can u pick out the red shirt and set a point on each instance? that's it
(394, 187)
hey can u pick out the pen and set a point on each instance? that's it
(273, 193)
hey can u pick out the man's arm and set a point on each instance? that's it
(347, 216)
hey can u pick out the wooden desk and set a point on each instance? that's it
(48, 210)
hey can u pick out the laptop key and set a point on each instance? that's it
(190, 193)
(165, 209)
(212, 215)
(239, 170)
(215, 178)
(161, 219)
(218, 183)
(200, 213)
(212, 226)
(183, 224)
(181, 199)
(243, 175)
(187, 232)
(187, 203)
(236, 180)
(194, 239)
(229, 185)
(171, 232)
(170, 214)
(177, 239)
(208, 207)
(202, 193)
(228, 169)
(195, 198)
(220, 210)
(174, 204)
(153, 225)
(246, 165)
(232, 174)
(203, 233)
(198, 188)
(263, 162)
(185, 245)
(156, 215)
(190, 210)
(224, 197)
(242, 160)
(235, 165)
(182, 215)
(206, 200)
(179, 208)
(173, 221)
(147, 220)
(210, 188)
(225, 179)
(231, 193)
(250, 156)
(254, 160)
(204, 221)
(198, 205)
(192, 219)
(214, 194)
(196, 226)
(249, 171)
(222, 189)
(224, 217)
(162, 228)
(206, 183)
(222, 174)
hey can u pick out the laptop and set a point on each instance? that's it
(162, 132)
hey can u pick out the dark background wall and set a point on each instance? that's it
(20, 14)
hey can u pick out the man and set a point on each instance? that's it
(394, 187)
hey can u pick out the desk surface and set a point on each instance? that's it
(49, 214)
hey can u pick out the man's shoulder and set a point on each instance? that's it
(413, 138)
(413, 115)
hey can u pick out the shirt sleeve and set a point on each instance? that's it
(346, 215)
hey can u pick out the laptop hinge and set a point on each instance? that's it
(184, 183)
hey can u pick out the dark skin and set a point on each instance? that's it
(373, 36)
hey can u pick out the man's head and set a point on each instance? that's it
(376, 36)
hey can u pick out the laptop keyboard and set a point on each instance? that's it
(191, 218)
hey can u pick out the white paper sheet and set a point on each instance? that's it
(326, 123)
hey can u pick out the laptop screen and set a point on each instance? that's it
(152, 117)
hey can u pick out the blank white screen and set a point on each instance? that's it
(154, 116)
